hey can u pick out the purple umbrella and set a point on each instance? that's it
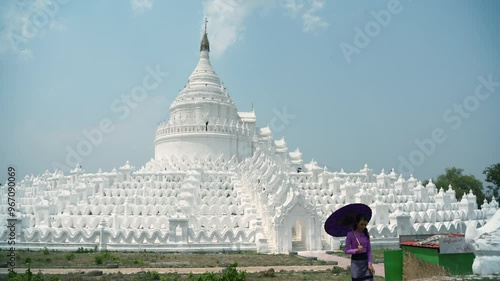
(342, 221)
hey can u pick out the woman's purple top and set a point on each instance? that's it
(351, 245)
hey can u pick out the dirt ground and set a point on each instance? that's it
(51, 259)
(145, 266)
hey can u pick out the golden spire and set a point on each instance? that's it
(205, 46)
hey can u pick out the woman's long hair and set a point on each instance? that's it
(359, 218)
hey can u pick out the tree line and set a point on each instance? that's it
(462, 183)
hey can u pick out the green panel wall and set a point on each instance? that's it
(393, 265)
(457, 264)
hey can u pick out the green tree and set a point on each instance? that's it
(493, 176)
(425, 182)
(461, 183)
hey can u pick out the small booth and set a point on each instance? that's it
(447, 250)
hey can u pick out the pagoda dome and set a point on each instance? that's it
(203, 120)
(204, 94)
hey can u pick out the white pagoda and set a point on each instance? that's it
(218, 182)
(204, 121)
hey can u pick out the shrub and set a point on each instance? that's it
(106, 254)
(231, 274)
(268, 273)
(98, 260)
(45, 251)
(152, 275)
(70, 256)
(139, 262)
(28, 275)
(173, 276)
(338, 270)
(38, 277)
(54, 278)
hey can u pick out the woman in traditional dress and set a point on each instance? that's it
(358, 245)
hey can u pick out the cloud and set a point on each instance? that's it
(226, 21)
(141, 6)
(226, 18)
(26, 54)
(309, 15)
(22, 21)
(293, 6)
(57, 26)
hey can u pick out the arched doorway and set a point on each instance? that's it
(298, 226)
(299, 236)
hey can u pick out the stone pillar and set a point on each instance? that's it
(14, 222)
(401, 186)
(363, 197)
(411, 183)
(314, 233)
(323, 179)
(392, 177)
(444, 199)
(103, 235)
(431, 188)
(494, 204)
(335, 185)
(492, 209)
(73, 198)
(410, 204)
(286, 238)
(451, 194)
(116, 223)
(349, 190)
(463, 205)
(42, 215)
(183, 224)
(381, 213)
(404, 226)
(62, 202)
(381, 180)
(260, 239)
(190, 190)
(421, 193)
(472, 205)
(25, 221)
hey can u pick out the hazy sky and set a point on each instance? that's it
(410, 85)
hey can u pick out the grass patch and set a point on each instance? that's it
(231, 273)
(88, 258)
(70, 256)
(415, 268)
